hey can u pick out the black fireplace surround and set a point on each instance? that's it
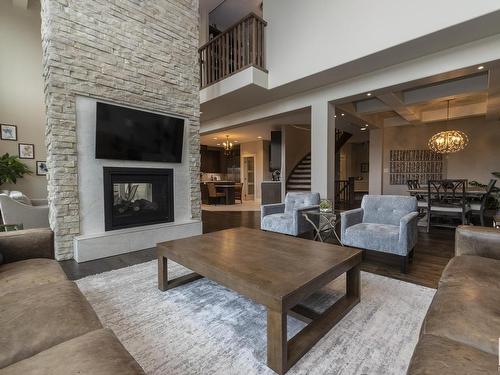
(137, 196)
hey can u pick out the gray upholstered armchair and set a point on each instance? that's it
(287, 217)
(31, 213)
(384, 223)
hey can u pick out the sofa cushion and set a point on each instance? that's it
(438, 355)
(281, 223)
(35, 319)
(468, 314)
(25, 274)
(98, 353)
(380, 237)
(472, 270)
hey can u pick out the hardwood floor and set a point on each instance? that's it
(432, 252)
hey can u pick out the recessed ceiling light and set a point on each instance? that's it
(235, 141)
(334, 116)
(369, 94)
(342, 114)
(215, 138)
(363, 128)
(218, 144)
(259, 137)
(480, 67)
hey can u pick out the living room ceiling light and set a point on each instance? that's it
(480, 67)
(448, 141)
(369, 94)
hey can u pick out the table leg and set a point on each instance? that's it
(277, 341)
(353, 282)
(162, 273)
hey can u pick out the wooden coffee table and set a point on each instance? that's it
(274, 270)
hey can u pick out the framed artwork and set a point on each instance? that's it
(8, 132)
(26, 151)
(41, 168)
(364, 167)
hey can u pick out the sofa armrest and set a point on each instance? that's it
(480, 241)
(27, 244)
(275, 208)
(350, 218)
(39, 202)
(408, 232)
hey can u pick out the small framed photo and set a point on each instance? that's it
(365, 167)
(8, 132)
(41, 168)
(26, 151)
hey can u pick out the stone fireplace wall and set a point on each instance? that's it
(137, 53)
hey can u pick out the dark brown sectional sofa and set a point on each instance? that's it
(46, 324)
(461, 330)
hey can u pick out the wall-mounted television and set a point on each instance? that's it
(129, 134)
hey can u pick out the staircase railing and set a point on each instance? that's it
(344, 192)
(235, 49)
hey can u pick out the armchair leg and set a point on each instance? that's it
(404, 264)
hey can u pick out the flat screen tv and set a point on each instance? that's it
(129, 134)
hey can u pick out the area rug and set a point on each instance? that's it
(204, 328)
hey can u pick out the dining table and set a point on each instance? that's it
(228, 191)
(470, 192)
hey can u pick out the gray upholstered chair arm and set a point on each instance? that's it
(299, 221)
(39, 202)
(480, 241)
(408, 232)
(26, 244)
(269, 209)
(350, 218)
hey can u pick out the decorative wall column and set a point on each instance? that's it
(323, 149)
(140, 54)
(376, 172)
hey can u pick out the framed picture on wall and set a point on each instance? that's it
(41, 168)
(26, 151)
(8, 132)
(364, 167)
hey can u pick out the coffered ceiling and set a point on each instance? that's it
(473, 93)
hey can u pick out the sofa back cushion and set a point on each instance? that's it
(295, 201)
(387, 209)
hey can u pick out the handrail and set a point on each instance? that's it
(238, 47)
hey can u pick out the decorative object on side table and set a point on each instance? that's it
(26, 151)
(325, 205)
(8, 132)
(41, 168)
(11, 168)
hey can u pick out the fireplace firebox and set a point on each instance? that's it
(137, 196)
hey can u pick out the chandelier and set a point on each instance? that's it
(228, 146)
(448, 141)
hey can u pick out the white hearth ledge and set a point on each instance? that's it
(103, 245)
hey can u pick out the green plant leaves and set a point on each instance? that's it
(11, 168)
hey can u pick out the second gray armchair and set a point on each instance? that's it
(384, 223)
(287, 217)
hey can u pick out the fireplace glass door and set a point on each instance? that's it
(137, 196)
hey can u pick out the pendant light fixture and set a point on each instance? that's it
(228, 146)
(449, 141)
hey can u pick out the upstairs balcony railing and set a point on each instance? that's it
(235, 49)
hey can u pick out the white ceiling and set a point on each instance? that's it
(228, 12)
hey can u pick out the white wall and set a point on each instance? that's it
(307, 37)
(475, 162)
(21, 88)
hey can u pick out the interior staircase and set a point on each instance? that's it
(300, 178)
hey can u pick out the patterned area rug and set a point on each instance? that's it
(204, 328)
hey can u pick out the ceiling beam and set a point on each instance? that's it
(493, 103)
(396, 103)
(358, 118)
(22, 4)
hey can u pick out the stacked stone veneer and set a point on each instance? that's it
(141, 53)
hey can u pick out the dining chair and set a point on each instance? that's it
(421, 200)
(213, 194)
(478, 208)
(446, 198)
(238, 189)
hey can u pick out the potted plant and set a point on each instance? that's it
(493, 203)
(11, 168)
(325, 205)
